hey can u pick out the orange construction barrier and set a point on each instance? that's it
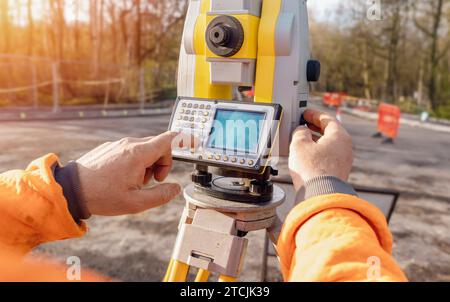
(326, 98)
(333, 99)
(389, 120)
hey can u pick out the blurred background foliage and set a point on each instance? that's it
(120, 51)
(401, 55)
(99, 50)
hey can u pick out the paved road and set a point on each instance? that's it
(137, 248)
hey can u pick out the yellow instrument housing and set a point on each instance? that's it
(274, 57)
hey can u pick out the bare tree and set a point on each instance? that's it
(5, 29)
(77, 26)
(393, 32)
(94, 33)
(138, 33)
(30, 27)
(58, 29)
(112, 11)
(114, 38)
(429, 23)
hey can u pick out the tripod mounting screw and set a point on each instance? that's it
(261, 187)
(274, 172)
(203, 179)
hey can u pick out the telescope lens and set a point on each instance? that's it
(220, 35)
(225, 36)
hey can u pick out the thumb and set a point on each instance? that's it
(156, 196)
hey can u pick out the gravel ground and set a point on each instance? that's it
(138, 248)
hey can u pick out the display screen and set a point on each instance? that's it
(236, 130)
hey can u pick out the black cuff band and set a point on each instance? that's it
(68, 179)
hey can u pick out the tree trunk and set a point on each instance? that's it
(114, 33)
(137, 45)
(394, 39)
(434, 56)
(94, 31)
(5, 26)
(77, 30)
(100, 17)
(30, 28)
(61, 24)
(57, 31)
(365, 73)
(420, 98)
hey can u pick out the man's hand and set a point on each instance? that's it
(113, 176)
(312, 156)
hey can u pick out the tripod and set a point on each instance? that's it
(212, 230)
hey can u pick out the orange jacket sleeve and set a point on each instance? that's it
(33, 209)
(337, 238)
(16, 268)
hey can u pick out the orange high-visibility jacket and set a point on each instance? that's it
(328, 238)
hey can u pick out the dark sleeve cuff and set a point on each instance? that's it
(68, 179)
(327, 185)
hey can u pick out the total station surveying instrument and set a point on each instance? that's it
(229, 45)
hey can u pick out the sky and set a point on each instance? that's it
(18, 9)
(323, 8)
